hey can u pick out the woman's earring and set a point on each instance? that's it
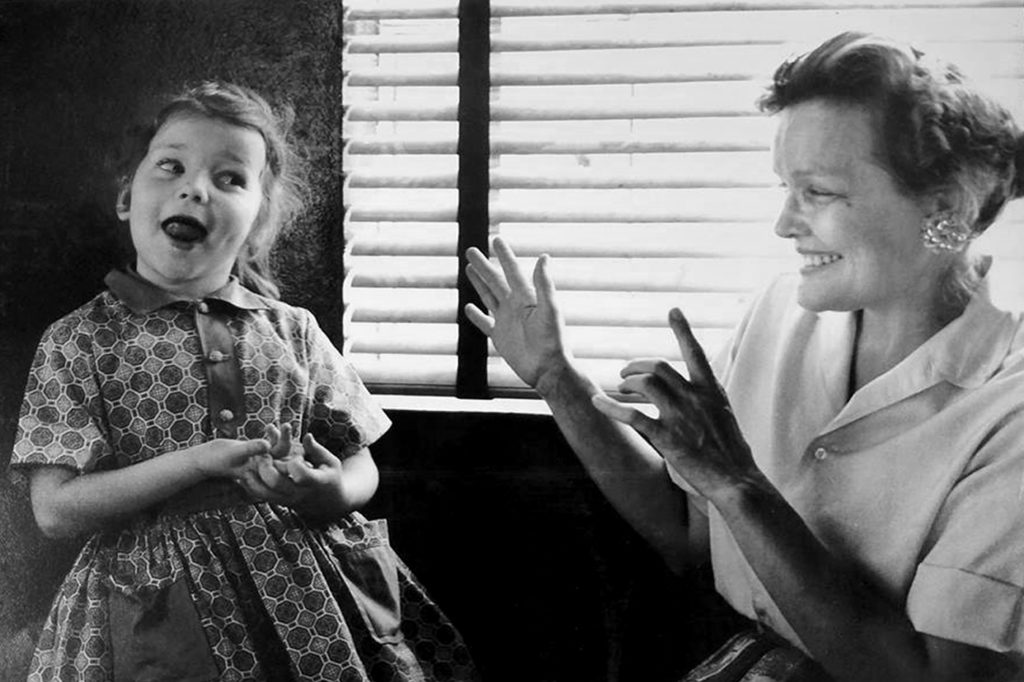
(945, 232)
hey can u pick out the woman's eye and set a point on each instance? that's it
(819, 194)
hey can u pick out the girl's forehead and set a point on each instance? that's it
(211, 136)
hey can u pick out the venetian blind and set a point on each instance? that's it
(623, 140)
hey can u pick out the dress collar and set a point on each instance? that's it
(142, 296)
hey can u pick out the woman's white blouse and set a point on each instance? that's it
(918, 480)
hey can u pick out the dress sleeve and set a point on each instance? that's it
(342, 414)
(62, 418)
(969, 586)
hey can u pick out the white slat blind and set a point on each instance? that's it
(624, 142)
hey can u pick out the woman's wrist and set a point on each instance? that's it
(742, 495)
(552, 380)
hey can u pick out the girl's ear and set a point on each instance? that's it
(124, 200)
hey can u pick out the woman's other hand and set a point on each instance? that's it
(695, 430)
(524, 321)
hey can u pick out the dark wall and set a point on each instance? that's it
(491, 511)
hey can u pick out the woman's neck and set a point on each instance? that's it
(884, 338)
(886, 335)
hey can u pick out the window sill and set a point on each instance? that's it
(432, 403)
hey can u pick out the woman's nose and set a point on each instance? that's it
(790, 222)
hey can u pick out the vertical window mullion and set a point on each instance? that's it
(473, 182)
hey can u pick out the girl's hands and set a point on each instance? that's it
(695, 430)
(226, 457)
(294, 474)
(524, 322)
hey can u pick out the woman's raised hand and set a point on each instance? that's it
(695, 430)
(524, 322)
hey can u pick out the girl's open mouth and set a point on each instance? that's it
(184, 229)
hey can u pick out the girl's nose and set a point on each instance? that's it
(194, 188)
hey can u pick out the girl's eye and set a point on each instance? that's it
(170, 165)
(231, 179)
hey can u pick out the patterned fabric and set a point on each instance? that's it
(757, 657)
(132, 376)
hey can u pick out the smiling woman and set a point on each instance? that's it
(851, 464)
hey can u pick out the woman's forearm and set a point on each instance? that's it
(627, 470)
(846, 624)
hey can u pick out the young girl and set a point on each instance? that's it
(159, 419)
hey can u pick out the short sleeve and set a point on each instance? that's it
(969, 587)
(342, 414)
(61, 419)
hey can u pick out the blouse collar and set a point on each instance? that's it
(143, 297)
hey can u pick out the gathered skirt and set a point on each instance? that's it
(245, 592)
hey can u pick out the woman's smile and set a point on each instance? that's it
(816, 261)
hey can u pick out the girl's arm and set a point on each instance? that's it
(525, 325)
(66, 504)
(847, 625)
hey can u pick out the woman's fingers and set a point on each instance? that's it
(542, 282)
(479, 319)
(481, 287)
(630, 416)
(693, 355)
(488, 276)
(513, 273)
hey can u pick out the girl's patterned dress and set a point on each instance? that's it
(211, 585)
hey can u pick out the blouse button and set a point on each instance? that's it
(203, 307)
(217, 356)
(820, 454)
(226, 415)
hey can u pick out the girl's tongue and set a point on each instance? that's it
(185, 229)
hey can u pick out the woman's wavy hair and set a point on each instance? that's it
(938, 135)
(284, 188)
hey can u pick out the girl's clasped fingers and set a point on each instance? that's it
(280, 440)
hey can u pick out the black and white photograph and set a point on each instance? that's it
(512, 340)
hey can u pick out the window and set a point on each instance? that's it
(620, 137)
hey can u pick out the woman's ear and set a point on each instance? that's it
(124, 200)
